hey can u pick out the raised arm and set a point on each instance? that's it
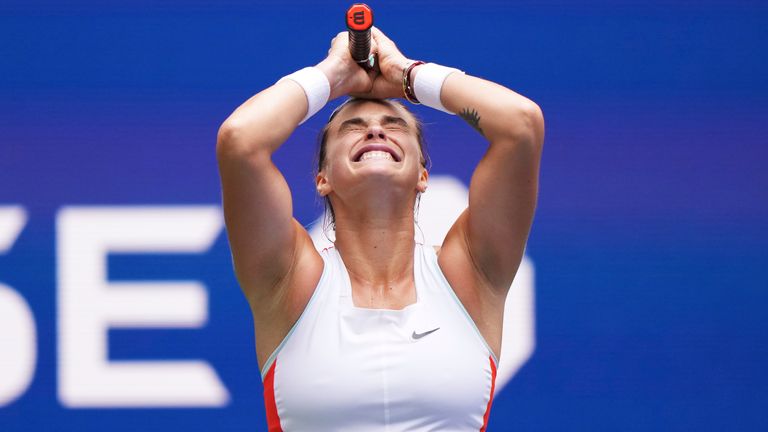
(265, 239)
(257, 201)
(504, 186)
(492, 232)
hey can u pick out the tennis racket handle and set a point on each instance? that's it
(359, 19)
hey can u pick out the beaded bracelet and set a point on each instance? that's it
(410, 96)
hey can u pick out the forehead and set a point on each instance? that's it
(371, 109)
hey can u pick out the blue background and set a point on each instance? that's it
(650, 242)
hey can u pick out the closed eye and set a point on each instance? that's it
(353, 124)
(352, 129)
(357, 124)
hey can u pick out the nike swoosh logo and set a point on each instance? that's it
(421, 335)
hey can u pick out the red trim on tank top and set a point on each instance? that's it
(490, 398)
(273, 418)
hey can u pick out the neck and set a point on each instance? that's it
(378, 253)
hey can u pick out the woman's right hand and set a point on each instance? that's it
(344, 74)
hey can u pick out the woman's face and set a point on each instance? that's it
(372, 146)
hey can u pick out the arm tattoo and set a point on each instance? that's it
(473, 118)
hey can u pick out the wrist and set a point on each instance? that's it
(334, 70)
(428, 85)
(316, 88)
(415, 72)
(408, 75)
(397, 69)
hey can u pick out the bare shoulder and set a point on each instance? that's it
(302, 278)
(275, 312)
(460, 273)
(484, 304)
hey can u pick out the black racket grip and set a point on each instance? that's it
(359, 19)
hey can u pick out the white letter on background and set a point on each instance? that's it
(88, 305)
(18, 336)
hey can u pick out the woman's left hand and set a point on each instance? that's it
(388, 83)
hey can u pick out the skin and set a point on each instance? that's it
(275, 260)
(373, 201)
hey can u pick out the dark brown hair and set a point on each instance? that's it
(323, 139)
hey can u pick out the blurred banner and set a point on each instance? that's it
(641, 305)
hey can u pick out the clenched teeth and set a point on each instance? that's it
(376, 154)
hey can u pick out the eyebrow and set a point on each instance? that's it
(385, 120)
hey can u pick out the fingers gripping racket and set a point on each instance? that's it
(359, 22)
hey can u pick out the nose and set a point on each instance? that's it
(375, 131)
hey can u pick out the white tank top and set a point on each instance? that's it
(345, 368)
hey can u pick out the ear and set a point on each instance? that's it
(421, 186)
(322, 184)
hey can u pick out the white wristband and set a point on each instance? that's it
(316, 88)
(429, 82)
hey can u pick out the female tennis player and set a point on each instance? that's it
(378, 333)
